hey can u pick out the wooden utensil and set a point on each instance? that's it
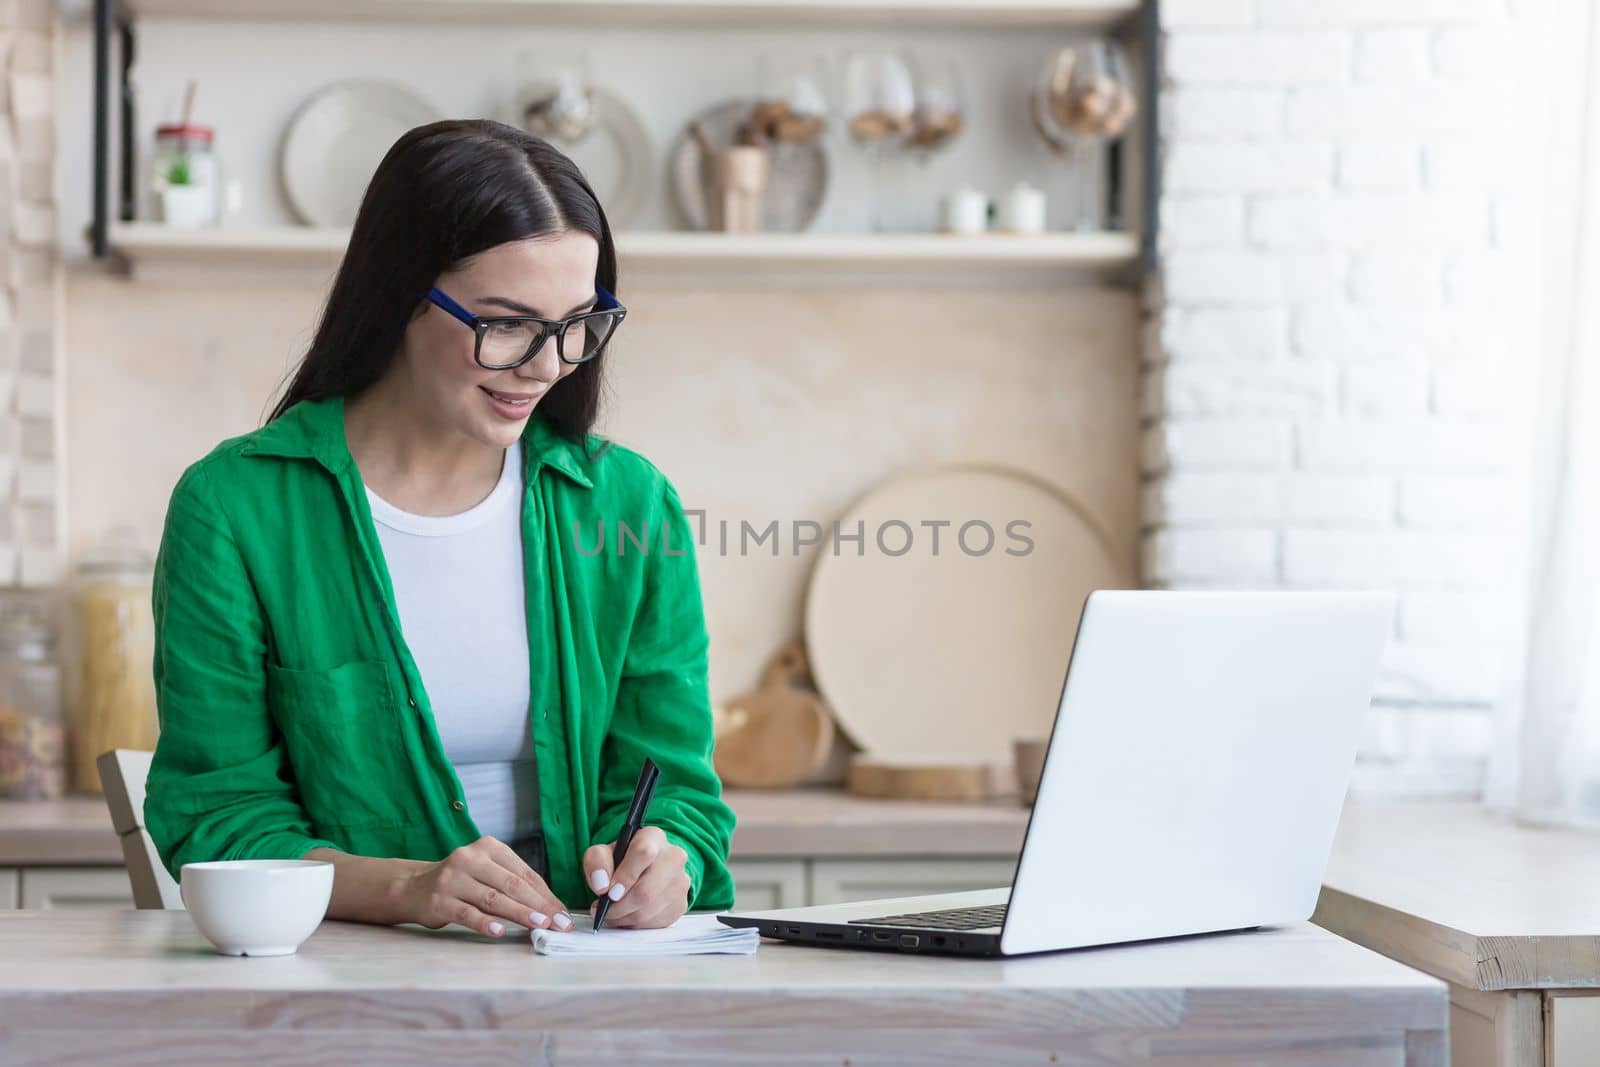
(777, 735)
(929, 780)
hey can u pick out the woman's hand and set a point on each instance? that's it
(651, 888)
(482, 886)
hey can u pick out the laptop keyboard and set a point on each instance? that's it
(944, 919)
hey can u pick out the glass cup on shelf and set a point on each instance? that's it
(939, 114)
(878, 104)
(1082, 102)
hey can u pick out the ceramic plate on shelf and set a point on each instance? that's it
(795, 188)
(336, 140)
(952, 650)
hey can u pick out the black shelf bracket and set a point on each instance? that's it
(1150, 156)
(112, 18)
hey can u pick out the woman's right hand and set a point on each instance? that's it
(482, 886)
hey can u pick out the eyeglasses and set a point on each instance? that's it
(506, 341)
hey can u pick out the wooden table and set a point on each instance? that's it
(126, 987)
(791, 848)
(1508, 915)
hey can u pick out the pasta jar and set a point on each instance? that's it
(31, 736)
(116, 698)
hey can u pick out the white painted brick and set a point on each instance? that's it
(1453, 502)
(1257, 57)
(1436, 735)
(8, 564)
(1357, 221)
(33, 52)
(1202, 112)
(38, 523)
(36, 481)
(1435, 445)
(1419, 780)
(1217, 444)
(1234, 555)
(1201, 221)
(1472, 387)
(1207, 14)
(35, 308)
(1224, 333)
(41, 567)
(33, 223)
(1447, 673)
(1217, 167)
(1210, 277)
(1246, 387)
(1468, 51)
(1383, 165)
(38, 438)
(1388, 559)
(36, 395)
(1350, 332)
(1324, 13)
(1207, 499)
(1440, 618)
(1477, 163)
(1410, 278)
(1391, 55)
(1481, 279)
(1338, 499)
(1382, 111)
(1383, 389)
(32, 97)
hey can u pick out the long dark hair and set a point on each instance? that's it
(444, 192)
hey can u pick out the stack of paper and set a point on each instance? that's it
(690, 935)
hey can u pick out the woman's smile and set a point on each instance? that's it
(513, 405)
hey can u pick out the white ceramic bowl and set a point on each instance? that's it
(257, 907)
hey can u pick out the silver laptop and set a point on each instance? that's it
(1198, 763)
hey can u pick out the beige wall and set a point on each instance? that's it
(761, 403)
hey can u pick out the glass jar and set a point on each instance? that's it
(186, 176)
(32, 749)
(116, 698)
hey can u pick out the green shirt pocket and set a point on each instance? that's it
(343, 740)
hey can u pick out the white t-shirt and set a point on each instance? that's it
(458, 585)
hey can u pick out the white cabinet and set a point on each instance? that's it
(76, 887)
(836, 881)
(759, 885)
(8, 889)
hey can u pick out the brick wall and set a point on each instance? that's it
(1325, 392)
(30, 296)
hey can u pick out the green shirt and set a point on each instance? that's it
(293, 715)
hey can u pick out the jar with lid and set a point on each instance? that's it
(32, 752)
(186, 175)
(116, 697)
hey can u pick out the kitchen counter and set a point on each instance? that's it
(114, 987)
(1507, 914)
(772, 824)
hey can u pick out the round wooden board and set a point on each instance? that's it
(951, 650)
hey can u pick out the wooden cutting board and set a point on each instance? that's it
(777, 735)
(933, 780)
(947, 651)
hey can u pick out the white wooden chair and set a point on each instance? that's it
(122, 773)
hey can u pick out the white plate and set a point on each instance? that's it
(336, 140)
(945, 655)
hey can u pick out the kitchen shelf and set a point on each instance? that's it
(1074, 14)
(152, 244)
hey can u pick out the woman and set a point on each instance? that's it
(423, 624)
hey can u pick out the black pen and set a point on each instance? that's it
(630, 826)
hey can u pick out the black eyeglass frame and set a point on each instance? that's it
(480, 325)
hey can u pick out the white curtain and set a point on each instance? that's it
(1546, 768)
